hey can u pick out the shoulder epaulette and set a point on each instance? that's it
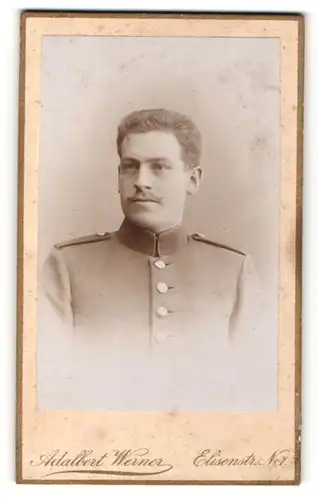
(201, 237)
(93, 238)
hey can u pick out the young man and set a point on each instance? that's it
(157, 319)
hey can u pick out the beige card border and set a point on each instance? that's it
(298, 238)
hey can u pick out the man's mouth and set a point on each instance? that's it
(142, 200)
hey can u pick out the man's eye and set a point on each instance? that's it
(128, 166)
(157, 166)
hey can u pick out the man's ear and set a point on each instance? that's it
(194, 180)
(118, 173)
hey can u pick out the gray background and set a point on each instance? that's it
(230, 88)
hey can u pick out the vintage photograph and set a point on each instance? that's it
(159, 190)
(161, 167)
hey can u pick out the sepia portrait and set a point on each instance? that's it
(158, 270)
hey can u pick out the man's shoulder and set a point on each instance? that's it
(224, 249)
(84, 240)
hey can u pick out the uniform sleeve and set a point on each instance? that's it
(253, 363)
(244, 315)
(55, 339)
(56, 286)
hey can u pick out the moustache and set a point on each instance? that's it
(144, 197)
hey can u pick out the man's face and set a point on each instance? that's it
(154, 181)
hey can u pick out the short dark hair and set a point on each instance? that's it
(148, 120)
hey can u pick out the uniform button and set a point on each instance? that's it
(162, 312)
(159, 264)
(162, 287)
(161, 336)
(101, 234)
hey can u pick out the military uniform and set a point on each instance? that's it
(152, 322)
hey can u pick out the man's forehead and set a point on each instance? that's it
(157, 144)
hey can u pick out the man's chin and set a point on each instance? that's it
(142, 221)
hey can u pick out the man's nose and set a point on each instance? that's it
(143, 178)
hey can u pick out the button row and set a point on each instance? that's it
(162, 311)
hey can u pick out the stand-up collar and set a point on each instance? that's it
(144, 241)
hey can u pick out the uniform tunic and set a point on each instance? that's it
(149, 322)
